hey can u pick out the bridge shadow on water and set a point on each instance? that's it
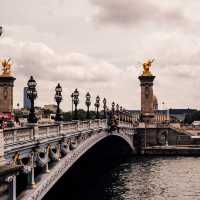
(85, 179)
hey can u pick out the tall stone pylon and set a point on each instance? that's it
(146, 83)
(6, 87)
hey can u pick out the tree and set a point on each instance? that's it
(191, 117)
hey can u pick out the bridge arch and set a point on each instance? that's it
(50, 179)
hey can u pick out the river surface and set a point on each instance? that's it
(152, 178)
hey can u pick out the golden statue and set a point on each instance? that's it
(6, 67)
(146, 67)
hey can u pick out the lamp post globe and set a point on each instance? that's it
(97, 105)
(88, 103)
(32, 95)
(76, 102)
(104, 107)
(58, 99)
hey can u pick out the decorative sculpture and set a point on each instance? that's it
(146, 67)
(6, 64)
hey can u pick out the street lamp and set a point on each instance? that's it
(58, 99)
(124, 115)
(72, 96)
(113, 107)
(97, 105)
(117, 110)
(120, 113)
(76, 102)
(32, 95)
(104, 107)
(88, 103)
(1, 30)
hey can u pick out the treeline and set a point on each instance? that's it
(81, 115)
(191, 117)
(66, 116)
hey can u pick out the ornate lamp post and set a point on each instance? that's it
(58, 99)
(113, 107)
(117, 110)
(32, 95)
(127, 116)
(97, 105)
(1, 30)
(72, 96)
(88, 103)
(104, 107)
(124, 115)
(76, 102)
(120, 113)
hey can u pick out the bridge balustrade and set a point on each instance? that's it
(48, 131)
(83, 125)
(17, 135)
(12, 136)
(103, 123)
(94, 124)
(125, 124)
(26, 134)
(69, 127)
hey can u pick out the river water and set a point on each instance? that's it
(131, 178)
(152, 178)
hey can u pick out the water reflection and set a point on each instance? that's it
(156, 178)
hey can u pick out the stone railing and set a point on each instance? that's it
(21, 135)
(125, 124)
(12, 136)
(48, 131)
(180, 130)
(69, 127)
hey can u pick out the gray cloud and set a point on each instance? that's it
(41, 61)
(134, 12)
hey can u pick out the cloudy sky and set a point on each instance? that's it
(99, 45)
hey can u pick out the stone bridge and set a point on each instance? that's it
(24, 149)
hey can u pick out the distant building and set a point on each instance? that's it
(27, 102)
(51, 107)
